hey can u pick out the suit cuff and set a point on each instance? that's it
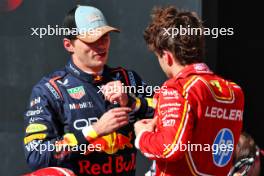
(89, 133)
(137, 140)
(134, 102)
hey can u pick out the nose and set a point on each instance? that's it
(102, 43)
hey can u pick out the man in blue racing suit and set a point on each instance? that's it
(73, 119)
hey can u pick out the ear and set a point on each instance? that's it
(169, 58)
(68, 45)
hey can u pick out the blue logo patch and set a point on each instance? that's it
(224, 142)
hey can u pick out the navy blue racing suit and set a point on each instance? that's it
(69, 100)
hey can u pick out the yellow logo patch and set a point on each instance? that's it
(33, 128)
(32, 137)
(217, 85)
(152, 102)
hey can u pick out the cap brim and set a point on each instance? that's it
(93, 36)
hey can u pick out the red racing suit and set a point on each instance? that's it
(199, 120)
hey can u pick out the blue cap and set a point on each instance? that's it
(91, 24)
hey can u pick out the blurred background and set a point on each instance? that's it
(26, 58)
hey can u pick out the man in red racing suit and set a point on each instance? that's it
(198, 116)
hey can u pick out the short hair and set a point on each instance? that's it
(246, 147)
(247, 156)
(69, 23)
(187, 48)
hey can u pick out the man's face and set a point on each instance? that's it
(92, 55)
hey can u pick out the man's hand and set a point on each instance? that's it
(114, 92)
(145, 125)
(111, 121)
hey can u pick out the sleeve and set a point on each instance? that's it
(42, 131)
(173, 131)
(140, 98)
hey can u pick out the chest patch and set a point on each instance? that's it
(224, 146)
(76, 92)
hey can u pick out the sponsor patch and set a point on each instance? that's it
(35, 127)
(114, 165)
(32, 137)
(38, 111)
(83, 105)
(168, 123)
(201, 67)
(34, 119)
(117, 76)
(80, 124)
(131, 78)
(171, 93)
(76, 92)
(52, 90)
(223, 113)
(65, 83)
(34, 101)
(224, 138)
(169, 105)
(216, 84)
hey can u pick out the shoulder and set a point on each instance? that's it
(182, 84)
(48, 86)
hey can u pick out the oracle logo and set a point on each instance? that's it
(82, 123)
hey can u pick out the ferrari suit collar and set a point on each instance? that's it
(197, 68)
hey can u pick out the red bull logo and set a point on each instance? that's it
(113, 165)
(113, 142)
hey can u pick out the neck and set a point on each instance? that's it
(176, 68)
(85, 68)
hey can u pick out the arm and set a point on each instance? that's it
(48, 141)
(41, 130)
(174, 127)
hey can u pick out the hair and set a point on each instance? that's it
(187, 49)
(69, 23)
(246, 147)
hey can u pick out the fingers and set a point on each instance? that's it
(108, 95)
(120, 114)
(123, 123)
(112, 87)
(113, 91)
(120, 122)
(114, 97)
(114, 83)
(120, 109)
(121, 117)
(148, 121)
